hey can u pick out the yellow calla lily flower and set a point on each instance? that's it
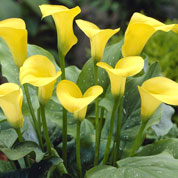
(154, 91)
(11, 98)
(63, 18)
(39, 71)
(124, 68)
(98, 37)
(138, 32)
(72, 99)
(13, 32)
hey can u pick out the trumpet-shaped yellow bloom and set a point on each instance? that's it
(124, 68)
(138, 32)
(98, 37)
(63, 18)
(13, 32)
(155, 91)
(11, 97)
(70, 96)
(39, 71)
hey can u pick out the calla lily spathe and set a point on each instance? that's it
(63, 18)
(11, 98)
(154, 91)
(72, 99)
(13, 32)
(39, 71)
(124, 68)
(98, 37)
(138, 32)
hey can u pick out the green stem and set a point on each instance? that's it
(106, 154)
(39, 118)
(35, 123)
(62, 65)
(98, 136)
(97, 125)
(118, 132)
(101, 122)
(78, 149)
(64, 137)
(27, 161)
(112, 154)
(64, 128)
(19, 135)
(138, 140)
(39, 126)
(45, 128)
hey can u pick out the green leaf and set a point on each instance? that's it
(7, 138)
(159, 166)
(2, 116)
(9, 69)
(72, 73)
(86, 78)
(103, 171)
(22, 149)
(165, 124)
(38, 170)
(170, 145)
(86, 134)
(5, 166)
(54, 113)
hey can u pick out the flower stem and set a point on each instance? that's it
(138, 140)
(101, 122)
(27, 161)
(39, 118)
(97, 146)
(64, 128)
(19, 135)
(97, 125)
(118, 132)
(35, 123)
(62, 65)
(78, 149)
(106, 154)
(64, 137)
(45, 128)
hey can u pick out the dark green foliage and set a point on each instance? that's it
(163, 47)
(38, 170)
